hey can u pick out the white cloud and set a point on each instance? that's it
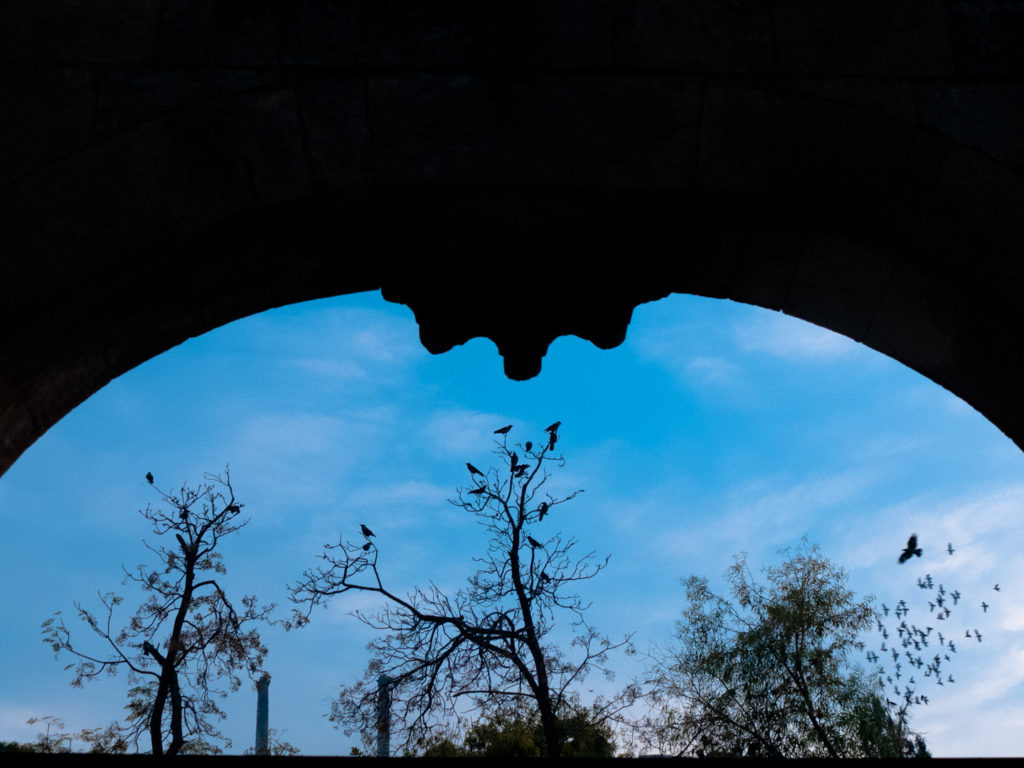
(711, 370)
(462, 432)
(787, 337)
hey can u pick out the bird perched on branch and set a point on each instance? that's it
(529, 446)
(911, 549)
(473, 470)
(367, 545)
(366, 531)
(533, 542)
(149, 478)
(543, 510)
(478, 491)
(503, 430)
(554, 427)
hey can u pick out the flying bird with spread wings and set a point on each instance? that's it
(911, 549)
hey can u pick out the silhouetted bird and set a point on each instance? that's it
(984, 606)
(478, 491)
(911, 549)
(552, 440)
(949, 548)
(515, 460)
(554, 427)
(543, 510)
(996, 588)
(473, 470)
(529, 446)
(533, 542)
(503, 430)
(544, 576)
(366, 531)
(367, 545)
(521, 469)
(149, 477)
(183, 514)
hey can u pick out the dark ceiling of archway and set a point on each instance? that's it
(518, 172)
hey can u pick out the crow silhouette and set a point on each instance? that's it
(533, 542)
(366, 531)
(996, 587)
(503, 430)
(543, 510)
(552, 440)
(984, 606)
(149, 478)
(367, 545)
(473, 470)
(911, 549)
(554, 427)
(478, 491)
(529, 446)
(949, 548)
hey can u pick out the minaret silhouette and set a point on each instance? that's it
(263, 715)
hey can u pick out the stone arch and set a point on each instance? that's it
(518, 173)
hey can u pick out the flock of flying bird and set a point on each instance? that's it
(517, 469)
(910, 645)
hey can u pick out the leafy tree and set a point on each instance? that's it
(771, 674)
(185, 636)
(515, 731)
(489, 642)
(275, 746)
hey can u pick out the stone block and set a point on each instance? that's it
(988, 116)
(321, 33)
(336, 130)
(555, 35)
(130, 96)
(562, 130)
(987, 37)
(767, 264)
(838, 283)
(80, 31)
(445, 35)
(214, 33)
(50, 110)
(878, 37)
(692, 36)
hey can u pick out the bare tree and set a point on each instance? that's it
(186, 635)
(489, 642)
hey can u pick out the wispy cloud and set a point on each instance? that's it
(787, 337)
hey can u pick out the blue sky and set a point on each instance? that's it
(715, 428)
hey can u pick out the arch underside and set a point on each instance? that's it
(145, 202)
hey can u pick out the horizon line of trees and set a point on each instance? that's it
(768, 673)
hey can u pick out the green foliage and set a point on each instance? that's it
(517, 732)
(770, 674)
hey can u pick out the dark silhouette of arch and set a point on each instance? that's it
(167, 166)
